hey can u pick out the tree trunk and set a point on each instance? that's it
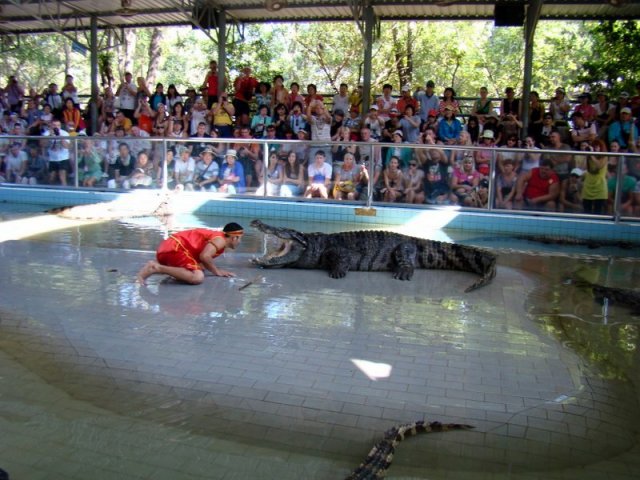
(127, 53)
(403, 55)
(155, 53)
(67, 55)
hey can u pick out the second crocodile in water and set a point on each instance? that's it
(373, 251)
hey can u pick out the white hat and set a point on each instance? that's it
(231, 153)
(373, 107)
(399, 132)
(578, 172)
(406, 88)
(487, 134)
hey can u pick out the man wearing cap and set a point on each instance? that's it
(391, 125)
(623, 131)
(206, 171)
(184, 254)
(373, 122)
(570, 199)
(232, 176)
(427, 99)
(406, 99)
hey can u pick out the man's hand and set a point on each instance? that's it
(224, 273)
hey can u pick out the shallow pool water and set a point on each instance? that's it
(296, 375)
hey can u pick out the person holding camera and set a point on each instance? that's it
(126, 93)
(595, 194)
(222, 116)
(59, 164)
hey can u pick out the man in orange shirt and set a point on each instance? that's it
(184, 254)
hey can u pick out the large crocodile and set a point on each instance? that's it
(373, 251)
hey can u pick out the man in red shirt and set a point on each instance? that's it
(184, 254)
(538, 188)
(210, 84)
(245, 86)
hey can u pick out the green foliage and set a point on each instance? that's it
(464, 55)
(37, 61)
(615, 60)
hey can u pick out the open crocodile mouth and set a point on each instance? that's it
(281, 250)
(277, 252)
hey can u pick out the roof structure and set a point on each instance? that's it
(34, 16)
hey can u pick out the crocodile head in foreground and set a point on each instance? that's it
(291, 247)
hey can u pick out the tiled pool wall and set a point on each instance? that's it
(350, 215)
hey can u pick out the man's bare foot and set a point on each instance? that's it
(149, 269)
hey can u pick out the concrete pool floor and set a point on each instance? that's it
(295, 376)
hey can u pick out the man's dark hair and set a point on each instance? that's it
(546, 162)
(232, 227)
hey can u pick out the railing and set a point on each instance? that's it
(98, 163)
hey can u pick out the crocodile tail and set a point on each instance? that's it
(379, 459)
(485, 263)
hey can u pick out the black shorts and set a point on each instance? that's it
(61, 165)
(242, 107)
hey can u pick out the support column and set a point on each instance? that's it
(368, 49)
(222, 49)
(531, 22)
(95, 88)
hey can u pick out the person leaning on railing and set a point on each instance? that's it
(539, 188)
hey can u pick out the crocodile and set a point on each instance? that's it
(625, 297)
(367, 250)
(379, 459)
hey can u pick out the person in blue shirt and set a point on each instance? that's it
(232, 174)
(449, 127)
(428, 100)
(623, 131)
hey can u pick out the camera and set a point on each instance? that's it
(56, 131)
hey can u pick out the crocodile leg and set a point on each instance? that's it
(338, 261)
(404, 257)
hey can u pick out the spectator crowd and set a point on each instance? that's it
(416, 147)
